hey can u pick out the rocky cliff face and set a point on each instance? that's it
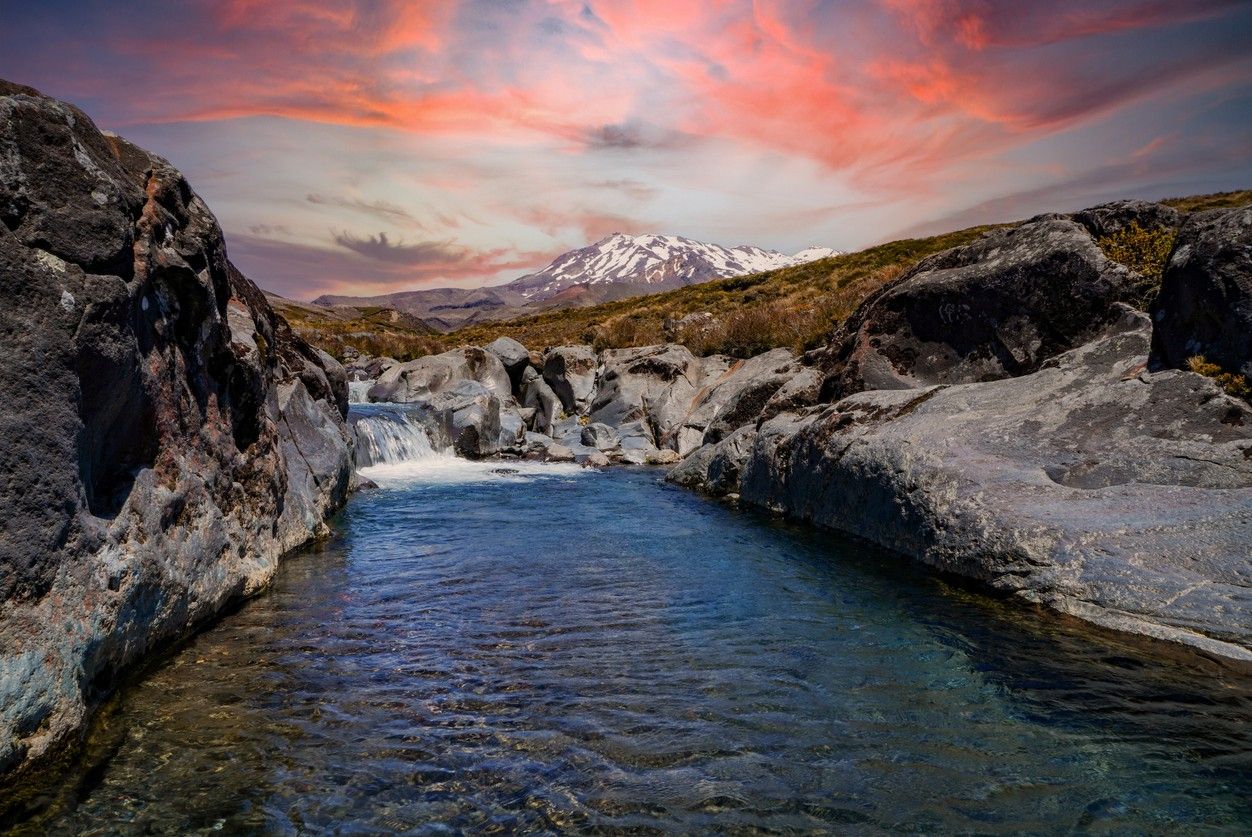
(166, 437)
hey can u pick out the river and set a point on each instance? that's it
(555, 649)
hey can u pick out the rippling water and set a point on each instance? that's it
(598, 652)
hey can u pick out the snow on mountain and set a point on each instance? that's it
(660, 261)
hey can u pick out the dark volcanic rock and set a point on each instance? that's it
(1111, 218)
(167, 437)
(1205, 304)
(571, 373)
(995, 308)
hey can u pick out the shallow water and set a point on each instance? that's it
(566, 650)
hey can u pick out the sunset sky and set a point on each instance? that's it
(368, 147)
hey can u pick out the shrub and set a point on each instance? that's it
(1144, 251)
(1234, 384)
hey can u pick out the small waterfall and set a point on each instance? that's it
(390, 437)
(358, 391)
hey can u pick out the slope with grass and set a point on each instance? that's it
(794, 307)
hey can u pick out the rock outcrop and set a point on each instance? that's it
(168, 437)
(413, 381)
(995, 308)
(571, 373)
(1092, 486)
(1205, 304)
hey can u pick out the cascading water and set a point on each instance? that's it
(389, 436)
(358, 391)
(393, 448)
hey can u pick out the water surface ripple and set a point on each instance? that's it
(566, 652)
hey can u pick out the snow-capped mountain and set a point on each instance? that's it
(613, 268)
(657, 261)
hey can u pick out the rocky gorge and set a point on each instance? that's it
(167, 438)
(1005, 411)
(1026, 411)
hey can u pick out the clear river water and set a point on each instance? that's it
(559, 650)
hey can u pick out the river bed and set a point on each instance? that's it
(496, 648)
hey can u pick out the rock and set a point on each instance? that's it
(716, 468)
(555, 452)
(661, 457)
(600, 436)
(735, 399)
(1091, 486)
(655, 384)
(465, 418)
(995, 308)
(512, 427)
(569, 431)
(1205, 304)
(594, 459)
(571, 373)
(408, 382)
(800, 391)
(1112, 218)
(369, 368)
(538, 396)
(634, 456)
(513, 356)
(169, 436)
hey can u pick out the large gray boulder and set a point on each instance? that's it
(600, 436)
(734, 399)
(654, 384)
(412, 381)
(465, 419)
(995, 308)
(513, 356)
(571, 373)
(168, 436)
(717, 468)
(1109, 219)
(1205, 304)
(538, 396)
(1091, 486)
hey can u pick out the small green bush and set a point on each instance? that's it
(1236, 385)
(1143, 251)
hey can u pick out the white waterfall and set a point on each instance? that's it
(394, 450)
(390, 437)
(358, 391)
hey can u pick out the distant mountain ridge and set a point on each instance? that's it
(615, 267)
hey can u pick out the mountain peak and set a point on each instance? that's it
(655, 260)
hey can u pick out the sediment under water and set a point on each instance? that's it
(567, 650)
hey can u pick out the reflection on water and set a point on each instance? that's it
(600, 652)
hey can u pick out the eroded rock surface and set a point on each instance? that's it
(1205, 305)
(995, 308)
(167, 436)
(1093, 486)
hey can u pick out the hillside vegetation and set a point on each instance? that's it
(794, 307)
(370, 330)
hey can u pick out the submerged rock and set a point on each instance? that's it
(169, 437)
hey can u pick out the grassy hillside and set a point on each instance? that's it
(795, 307)
(371, 330)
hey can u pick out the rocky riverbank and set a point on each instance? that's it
(1006, 411)
(167, 437)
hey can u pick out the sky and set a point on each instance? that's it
(372, 146)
